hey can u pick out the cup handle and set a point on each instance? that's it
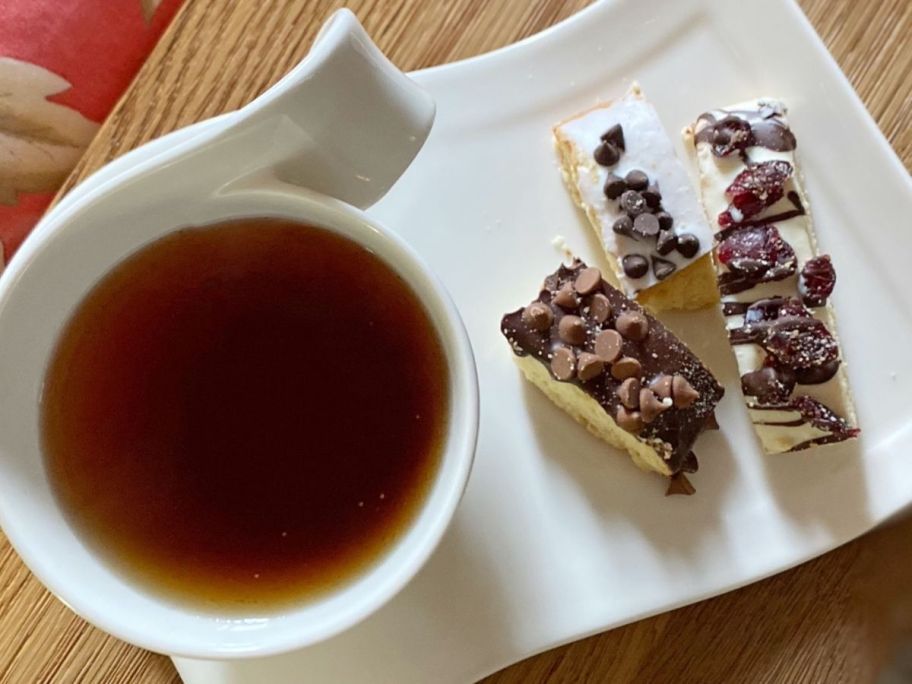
(345, 122)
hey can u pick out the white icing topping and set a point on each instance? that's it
(716, 174)
(649, 149)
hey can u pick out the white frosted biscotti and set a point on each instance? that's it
(620, 168)
(615, 369)
(774, 285)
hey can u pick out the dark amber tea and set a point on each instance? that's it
(247, 413)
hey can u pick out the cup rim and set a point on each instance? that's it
(459, 451)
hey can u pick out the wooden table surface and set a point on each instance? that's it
(833, 619)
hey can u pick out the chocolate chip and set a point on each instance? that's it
(662, 268)
(566, 297)
(572, 330)
(817, 375)
(652, 197)
(666, 242)
(629, 420)
(614, 186)
(732, 133)
(665, 220)
(629, 393)
(679, 484)
(587, 280)
(637, 180)
(651, 406)
(646, 225)
(721, 137)
(635, 265)
(623, 226)
(768, 384)
(632, 203)
(538, 316)
(682, 392)
(688, 245)
(608, 345)
(615, 135)
(760, 383)
(661, 385)
(563, 363)
(590, 366)
(606, 154)
(625, 367)
(633, 325)
(599, 308)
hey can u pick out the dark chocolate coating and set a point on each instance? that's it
(660, 353)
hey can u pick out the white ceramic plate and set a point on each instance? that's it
(559, 536)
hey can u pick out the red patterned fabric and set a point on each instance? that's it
(63, 65)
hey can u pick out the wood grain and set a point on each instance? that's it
(834, 619)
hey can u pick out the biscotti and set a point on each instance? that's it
(621, 170)
(614, 368)
(774, 285)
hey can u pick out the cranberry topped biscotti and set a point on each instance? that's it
(774, 285)
(615, 369)
(621, 170)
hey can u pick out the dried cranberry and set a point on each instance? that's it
(822, 417)
(752, 245)
(800, 342)
(730, 134)
(762, 179)
(725, 219)
(792, 307)
(758, 253)
(757, 187)
(817, 280)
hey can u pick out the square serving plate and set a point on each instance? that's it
(558, 535)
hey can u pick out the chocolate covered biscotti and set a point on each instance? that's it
(621, 170)
(614, 368)
(774, 285)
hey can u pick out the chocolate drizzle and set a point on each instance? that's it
(798, 210)
(734, 308)
(657, 353)
(767, 128)
(763, 320)
(792, 337)
(811, 412)
(798, 422)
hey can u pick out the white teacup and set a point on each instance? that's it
(324, 143)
